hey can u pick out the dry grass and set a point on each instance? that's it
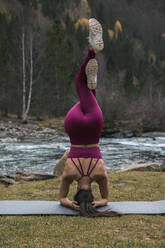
(61, 231)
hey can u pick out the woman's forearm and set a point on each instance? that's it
(103, 187)
(100, 203)
(64, 188)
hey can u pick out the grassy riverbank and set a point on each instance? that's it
(60, 231)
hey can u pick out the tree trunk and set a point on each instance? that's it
(23, 74)
(31, 79)
(27, 107)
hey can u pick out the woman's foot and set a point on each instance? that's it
(95, 35)
(91, 73)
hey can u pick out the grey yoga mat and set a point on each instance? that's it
(54, 207)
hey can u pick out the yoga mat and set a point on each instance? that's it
(54, 207)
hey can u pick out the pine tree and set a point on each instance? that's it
(59, 71)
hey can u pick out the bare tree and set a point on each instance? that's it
(32, 40)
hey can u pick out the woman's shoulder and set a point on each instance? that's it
(69, 168)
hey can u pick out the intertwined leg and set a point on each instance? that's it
(86, 96)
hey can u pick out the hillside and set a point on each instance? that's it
(43, 42)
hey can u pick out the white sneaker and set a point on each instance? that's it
(95, 35)
(91, 73)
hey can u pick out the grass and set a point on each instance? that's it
(143, 231)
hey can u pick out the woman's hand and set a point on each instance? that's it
(71, 204)
(100, 203)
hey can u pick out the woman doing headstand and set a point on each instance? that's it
(83, 123)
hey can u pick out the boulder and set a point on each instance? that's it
(25, 176)
(2, 134)
(7, 181)
(59, 167)
(162, 166)
(2, 175)
(143, 167)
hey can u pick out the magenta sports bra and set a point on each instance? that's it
(81, 171)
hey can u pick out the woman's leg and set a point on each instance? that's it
(86, 96)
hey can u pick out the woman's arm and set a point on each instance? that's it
(103, 187)
(64, 190)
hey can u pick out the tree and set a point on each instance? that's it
(59, 71)
(32, 43)
(5, 66)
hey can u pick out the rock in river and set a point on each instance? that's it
(144, 167)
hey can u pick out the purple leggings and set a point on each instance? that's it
(84, 121)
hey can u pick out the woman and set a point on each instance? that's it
(83, 124)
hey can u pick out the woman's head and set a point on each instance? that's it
(84, 195)
(84, 198)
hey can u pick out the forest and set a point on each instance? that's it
(42, 43)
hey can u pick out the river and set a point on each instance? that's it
(41, 157)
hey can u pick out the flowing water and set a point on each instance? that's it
(41, 157)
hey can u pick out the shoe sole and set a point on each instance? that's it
(91, 73)
(96, 31)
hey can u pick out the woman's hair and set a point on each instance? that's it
(84, 199)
